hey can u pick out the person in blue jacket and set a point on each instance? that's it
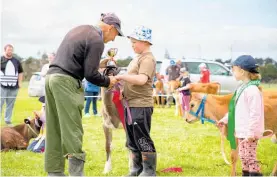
(92, 91)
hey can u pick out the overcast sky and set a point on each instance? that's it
(189, 28)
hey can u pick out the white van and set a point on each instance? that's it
(219, 72)
(36, 85)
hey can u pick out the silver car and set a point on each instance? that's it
(218, 72)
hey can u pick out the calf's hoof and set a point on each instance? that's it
(108, 167)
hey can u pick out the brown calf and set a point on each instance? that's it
(18, 137)
(111, 117)
(159, 90)
(171, 93)
(209, 88)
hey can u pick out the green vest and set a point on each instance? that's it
(231, 113)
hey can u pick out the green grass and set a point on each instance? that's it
(195, 147)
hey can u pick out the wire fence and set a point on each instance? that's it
(98, 96)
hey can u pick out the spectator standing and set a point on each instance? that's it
(173, 71)
(91, 91)
(205, 73)
(11, 77)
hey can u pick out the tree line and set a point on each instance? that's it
(268, 66)
(33, 64)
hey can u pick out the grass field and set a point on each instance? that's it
(195, 148)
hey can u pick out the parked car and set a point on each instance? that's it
(123, 70)
(219, 72)
(36, 85)
(228, 65)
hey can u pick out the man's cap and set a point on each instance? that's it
(247, 62)
(112, 19)
(172, 62)
(202, 65)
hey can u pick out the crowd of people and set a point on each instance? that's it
(78, 57)
(179, 76)
(173, 72)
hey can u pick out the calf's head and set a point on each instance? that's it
(33, 127)
(193, 106)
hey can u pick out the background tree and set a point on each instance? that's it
(44, 56)
(17, 57)
(268, 73)
(31, 65)
(124, 62)
(228, 61)
(219, 60)
(260, 61)
(269, 61)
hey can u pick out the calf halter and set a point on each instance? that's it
(37, 123)
(111, 68)
(201, 109)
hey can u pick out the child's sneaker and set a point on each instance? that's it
(87, 115)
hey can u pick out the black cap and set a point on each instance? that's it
(112, 19)
(247, 62)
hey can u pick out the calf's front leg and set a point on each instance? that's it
(108, 138)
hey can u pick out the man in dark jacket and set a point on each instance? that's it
(78, 57)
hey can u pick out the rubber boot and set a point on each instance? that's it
(245, 173)
(135, 163)
(75, 166)
(149, 161)
(56, 174)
